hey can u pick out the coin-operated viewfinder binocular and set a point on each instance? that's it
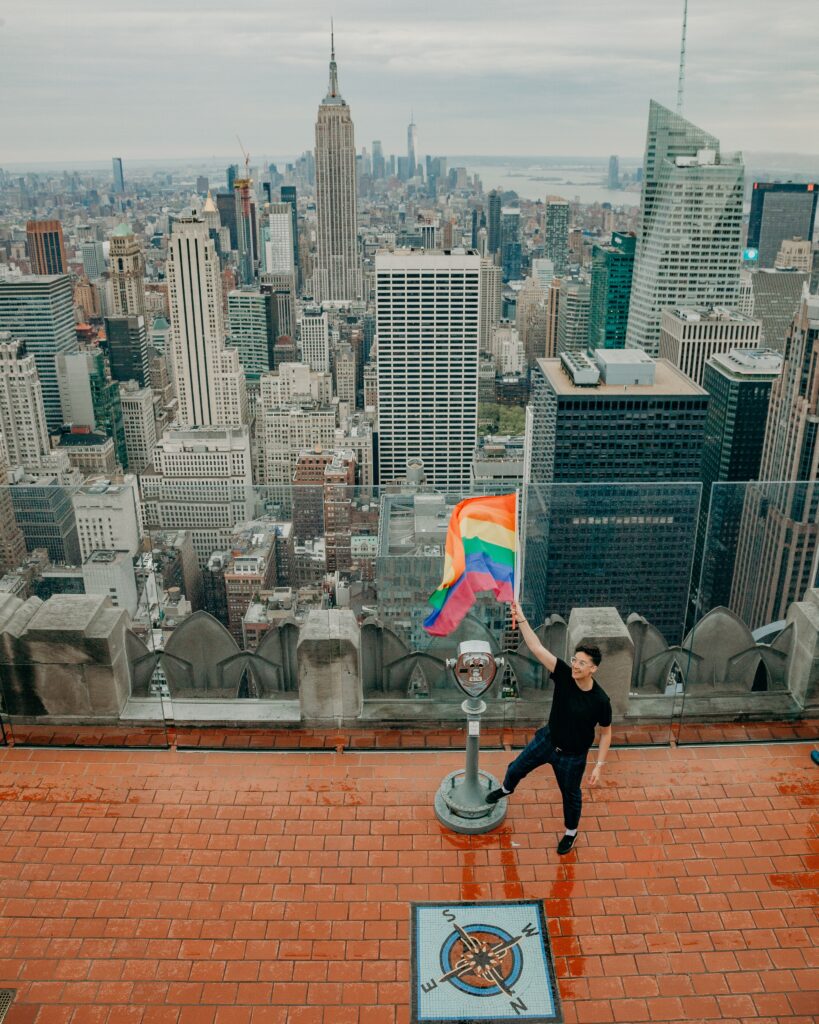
(460, 803)
(475, 667)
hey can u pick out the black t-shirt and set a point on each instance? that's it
(575, 712)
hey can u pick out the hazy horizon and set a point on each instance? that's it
(116, 79)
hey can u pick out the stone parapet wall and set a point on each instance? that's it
(74, 658)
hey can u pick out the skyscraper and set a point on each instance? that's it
(283, 289)
(128, 349)
(278, 255)
(93, 260)
(22, 416)
(491, 301)
(612, 269)
(46, 248)
(251, 315)
(90, 399)
(245, 229)
(493, 240)
(200, 481)
(689, 336)
(226, 207)
(557, 234)
(739, 385)
(691, 222)
(337, 274)
(12, 541)
(412, 145)
(777, 549)
(530, 319)
(209, 382)
(139, 425)
(614, 173)
(314, 340)
(379, 167)
(127, 273)
(621, 420)
(288, 195)
(119, 178)
(428, 374)
(573, 315)
(780, 210)
(773, 297)
(39, 310)
(511, 251)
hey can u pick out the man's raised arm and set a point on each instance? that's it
(544, 656)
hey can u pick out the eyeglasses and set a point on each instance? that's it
(581, 664)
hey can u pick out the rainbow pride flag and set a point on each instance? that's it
(481, 550)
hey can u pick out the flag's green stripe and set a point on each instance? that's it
(501, 555)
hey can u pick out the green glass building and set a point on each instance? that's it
(612, 270)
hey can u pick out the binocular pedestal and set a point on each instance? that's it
(460, 803)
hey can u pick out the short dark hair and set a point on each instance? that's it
(592, 651)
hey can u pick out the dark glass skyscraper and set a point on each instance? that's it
(739, 385)
(557, 235)
(603, 524)
(612, 270)
(39, 310)
(119, 178)
(511, 252)
(493, 240)
(780, 210)
(128, 349)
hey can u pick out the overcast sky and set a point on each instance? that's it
(87, 79)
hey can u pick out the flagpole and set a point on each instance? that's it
(518, 564)
(517, 580)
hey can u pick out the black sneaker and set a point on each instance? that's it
(565, 844)
(495, 795)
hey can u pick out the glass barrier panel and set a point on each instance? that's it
(755, 572)
(291, 616)
(69, 593)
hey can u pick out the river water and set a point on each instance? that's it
(584, 182)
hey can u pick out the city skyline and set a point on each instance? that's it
(577, 92)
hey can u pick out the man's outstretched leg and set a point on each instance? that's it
(538, 751)
(569, 769)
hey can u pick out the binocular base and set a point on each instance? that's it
(463, 808)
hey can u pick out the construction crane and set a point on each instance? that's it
(246, 155)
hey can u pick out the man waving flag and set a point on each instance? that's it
(481, 554)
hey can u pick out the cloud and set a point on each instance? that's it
(177, 78)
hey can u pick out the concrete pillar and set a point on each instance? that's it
(803, 664)
(65, 658)
(328, 667)
(604, 628)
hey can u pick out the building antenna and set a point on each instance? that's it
(681, 78)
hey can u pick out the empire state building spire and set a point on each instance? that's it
(338, 270)
(333, 95)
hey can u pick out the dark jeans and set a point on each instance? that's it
(568, 769)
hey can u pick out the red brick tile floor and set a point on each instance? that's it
(202, 887)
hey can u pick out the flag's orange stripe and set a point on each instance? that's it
(496, 509)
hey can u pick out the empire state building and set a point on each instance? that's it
(338, 272)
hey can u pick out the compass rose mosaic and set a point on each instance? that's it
(487, 962)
